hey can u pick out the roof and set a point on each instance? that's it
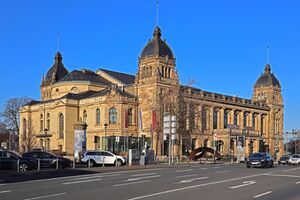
(124, 78)
(267, 78)
(85, 75)
(157, 46)
(57, 71)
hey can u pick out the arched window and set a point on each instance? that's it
(113, 115)
(98, 116)
(84, 116)
(129, 115)
(48, 121)
(24, 126)
(41, 123)
(61, 126)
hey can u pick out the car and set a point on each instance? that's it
(93, 158)
(11, 160)
(47, 159)
(294, 159)
(260, 159)
(283, 160)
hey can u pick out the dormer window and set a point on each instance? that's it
(74, 89)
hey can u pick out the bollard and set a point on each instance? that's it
(39, 164)
(18, 165)
(56, 163)
(116, 162)
(103, 162)
(89, 163)
(74, 163)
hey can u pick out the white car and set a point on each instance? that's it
(93, 158)
(294, 159)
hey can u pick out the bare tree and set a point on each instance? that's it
(3, 128)
(28, 141)
(11, 114)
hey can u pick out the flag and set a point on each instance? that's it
(154, 121)
(140, 122)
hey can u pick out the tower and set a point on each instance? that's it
(157, 87)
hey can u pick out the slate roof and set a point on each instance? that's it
(57, 70)
(85, 75)
(267, 78)
(124, 78)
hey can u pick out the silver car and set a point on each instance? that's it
(294, 159)
(93, 158)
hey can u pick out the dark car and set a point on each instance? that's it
(284, 160)
(260, 160)
(11, 160)
(47, 159)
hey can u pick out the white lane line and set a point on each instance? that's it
(144, 177)
(217, 167)
(5, 191)
(297, 182)
(193, 179)
(245, 183)
(46, 196)
(203, 168)
(91, 177)
(194, 186)
(130, 183)
(184, 170)
(188, 175)
(262, 194)
(134, 175)
(224, 171)
(289, 170)
(283, 175)
(84, 181)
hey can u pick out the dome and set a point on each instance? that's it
(157, 46)
(267, 78)
(57, 71)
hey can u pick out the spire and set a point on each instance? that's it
(157, 33)
(58, 57)
(268, 52)
(267, 68)
(57, 42)
(157, 3)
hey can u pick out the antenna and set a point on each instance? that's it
(268, 52)
(57, 42)
(157, 2)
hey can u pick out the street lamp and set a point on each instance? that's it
(105, 129)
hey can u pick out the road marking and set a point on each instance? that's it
(144, 177)
(283, 175)
(84, 181)
(186, 175)
(224, 171)
(134, 175)
(203, 168)
(263, 194)
(91, 177)
(217, 167)
(288, 170)
(130, 183)
(46, 196)
(5, 191)
(297, 182)
(184, 170)
(193, 179)
(245, 183)
(195, 186)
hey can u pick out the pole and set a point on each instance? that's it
(170, 142)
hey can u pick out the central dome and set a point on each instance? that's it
(157, 46)
(267, 78)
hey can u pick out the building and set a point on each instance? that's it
(125, 111)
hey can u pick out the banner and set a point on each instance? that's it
(79, 143)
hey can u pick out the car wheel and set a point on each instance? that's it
(23, 167)
(248, 166)
(119, 162)
(92, 163)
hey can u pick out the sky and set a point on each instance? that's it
(219, 44)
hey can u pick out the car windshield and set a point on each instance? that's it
(15, 154)
(256, 155)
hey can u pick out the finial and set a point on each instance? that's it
(267, 68)
(157, 32)
(57, 42)
(268, 52)
(157, 2)
(58, 57)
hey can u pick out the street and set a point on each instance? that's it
(185, 181)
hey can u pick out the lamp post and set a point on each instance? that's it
(105, 129)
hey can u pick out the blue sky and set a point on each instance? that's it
(220, 44)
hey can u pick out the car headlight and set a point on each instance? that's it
(262, 160)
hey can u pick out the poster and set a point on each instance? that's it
(79, 143)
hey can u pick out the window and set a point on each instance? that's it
(84, 116)
(97, 116)
(113, 115)
(129, 115)
(61, 126)
(253, 121)
(245, 119)
(24, 126)
(48, 121)
(41, 123)
(235, 118)
(215, 119)
(225, 118)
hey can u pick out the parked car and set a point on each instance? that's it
(294, 159)
(260, 160)
(284, 160)
(94, 158)
(47, 159)
(9, 160)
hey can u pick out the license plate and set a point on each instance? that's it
(254, 163)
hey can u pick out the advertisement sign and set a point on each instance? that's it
(79, 143)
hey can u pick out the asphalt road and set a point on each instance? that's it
(190, 182)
